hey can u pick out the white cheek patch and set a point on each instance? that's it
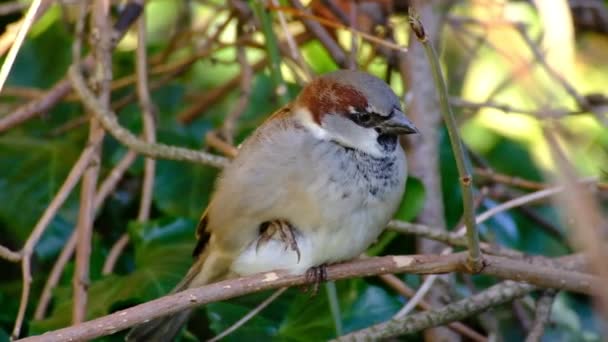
(341, 130)
(352, 135)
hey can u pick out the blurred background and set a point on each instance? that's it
(515, 70)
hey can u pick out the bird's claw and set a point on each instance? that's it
(286, 233)
(316, 275)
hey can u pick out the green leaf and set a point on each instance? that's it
(31, 172)
(182, 189)
(413, 200)
(162, 257)
(295, 316)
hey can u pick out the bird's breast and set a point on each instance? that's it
(339, 206)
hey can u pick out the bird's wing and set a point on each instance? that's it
(259, 183)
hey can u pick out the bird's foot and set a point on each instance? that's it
(316, 275)
(286, 233)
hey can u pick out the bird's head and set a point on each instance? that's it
(354, 109)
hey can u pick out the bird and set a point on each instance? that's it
(315, 184)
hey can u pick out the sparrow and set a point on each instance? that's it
(315, 184)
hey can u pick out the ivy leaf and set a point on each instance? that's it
(412, 201)
(162, 257)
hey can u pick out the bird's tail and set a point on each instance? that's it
(163, 329)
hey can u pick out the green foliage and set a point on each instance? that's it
(35, 158)
(167, 240)
(31, 171)
(296, 316)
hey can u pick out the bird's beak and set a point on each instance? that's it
(398, 124)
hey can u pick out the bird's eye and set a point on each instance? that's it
(364, 118)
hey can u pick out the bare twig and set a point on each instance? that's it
(249, 315)
(495, 295)
(245, 88)
(106, 187)
(84, 229)
(27, 22)
(507, 108)
(543, 315)
(462, 163)
(215, 94)
(47, 292)
(214, 141)
(272, 51)
(110, 123)
(148, 117)
(109, 184)
(66, 188)
(395, 283)
(300, 11)
(336, 52)
(12, 7)
(540, 58)
(583, 211)
(61, 89)
(420, 264)
(9, 255)
(456, 238)
(509, 180)
(114, 254)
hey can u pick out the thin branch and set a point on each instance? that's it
(272, 49)
(416, 264)
(12, 7)
(112, 179)
(587, 219)
(66, 188)
(9, 255)
(27, 22)
(354, 44)
(214, 95)
(333, 48)
(100, 38)
(300, 11)
(249, 315)
(110, 123)
(114, 254)
(62, 88)
(217, 143)
(540, 58)
(246, 81)
(395, 283)
(148, 117)
(104, 190)
(47, 292)
(507, 108)
(543, 315)
(293, 48)
(462, 163)
(509, 180)
(495, 295)
(456, 239)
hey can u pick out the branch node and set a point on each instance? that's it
(416, 25)
(475, 265)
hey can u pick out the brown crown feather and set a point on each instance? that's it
(324, 96)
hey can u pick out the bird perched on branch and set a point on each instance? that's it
(315, 184)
